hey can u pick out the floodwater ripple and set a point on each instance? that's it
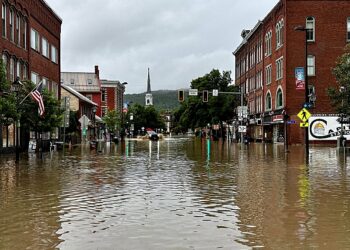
(176, 194)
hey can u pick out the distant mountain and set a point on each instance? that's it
(162, 99)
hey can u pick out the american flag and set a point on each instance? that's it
(36, 95)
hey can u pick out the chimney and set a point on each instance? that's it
(97, 71)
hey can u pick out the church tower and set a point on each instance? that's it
(149, 97)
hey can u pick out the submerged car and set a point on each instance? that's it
(153, 136)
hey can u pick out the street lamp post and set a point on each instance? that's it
(16, 88)
(341, 140)
(94, 109)
(303, 29)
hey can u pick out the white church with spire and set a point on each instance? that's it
(149, 96)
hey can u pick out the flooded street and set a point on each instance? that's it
(177, 193)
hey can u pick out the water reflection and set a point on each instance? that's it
(178, 193)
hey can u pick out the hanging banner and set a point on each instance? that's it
(300, 78)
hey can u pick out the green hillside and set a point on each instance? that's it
(162, 99)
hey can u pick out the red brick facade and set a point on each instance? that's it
(112, 96)
(330, 19)
(30, 41)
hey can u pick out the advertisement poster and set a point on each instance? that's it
(300, 78)
(326, 128)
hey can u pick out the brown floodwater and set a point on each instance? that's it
(179, 193)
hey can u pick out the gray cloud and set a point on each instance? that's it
(179, 40)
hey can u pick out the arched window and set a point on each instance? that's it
(279, 33)
(268, 45)
(12, 25)
(4, 11)
(268, 101)
(12, 69)
(4, 61)
(310, 26)
(279, 99)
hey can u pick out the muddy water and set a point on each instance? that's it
(176, 194)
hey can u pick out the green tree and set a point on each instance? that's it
(147, 117)
(112, 120)
(34, 122)
(195, 113)
(340, 96)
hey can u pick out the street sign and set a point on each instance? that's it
(304, 115)
(291, 122)
(242, 129)
(308, 105)
(193, 92)
(84, 121)
(215, 92)
(242, 111)
(304, 124)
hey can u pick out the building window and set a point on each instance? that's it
(4, 20)
(34, 78)
(4, 61)
(25, 71)
(12, 69)
(24, 33)
(45, 83)
(18, 69)
(89, 81)
(268, 46)
(103, 95)
(54, 55)
(12, 27)
(348, 33)
(311, 65)
(45, 47)
(310, 26)
(259, 52)
(279, 68)
(34, 40)
(71, 81)
(279, 33)
(18, 29)
(89, 97)
(268, 101)
(268, 74)
(279, 99)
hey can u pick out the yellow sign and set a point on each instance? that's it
(304, 115)
(304, 124)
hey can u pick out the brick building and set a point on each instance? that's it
(30, 47)
(86, 83)
(112, 96)
(269, 56)
(31, 41)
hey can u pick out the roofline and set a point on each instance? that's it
(71, 72)
(273, 9)
(78, 95)
(53, 12)
(245, 40)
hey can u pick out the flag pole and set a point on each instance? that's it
(31, 92)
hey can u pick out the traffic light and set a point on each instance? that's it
(180, 95)
(205, 96)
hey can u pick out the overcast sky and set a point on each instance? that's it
(179, 40)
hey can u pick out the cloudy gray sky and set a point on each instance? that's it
(179, 40)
